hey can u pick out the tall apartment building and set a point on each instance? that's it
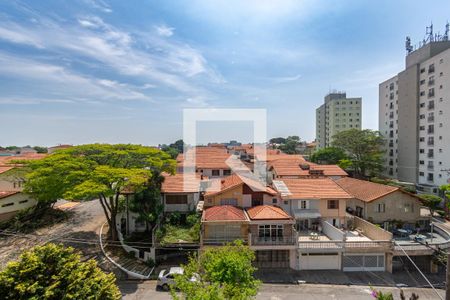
(414, 116)
(338, 113)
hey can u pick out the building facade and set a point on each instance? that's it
(338, 113)
(413, 117)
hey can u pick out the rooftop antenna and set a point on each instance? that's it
(408, 46)
(429, 33)
(447, 27)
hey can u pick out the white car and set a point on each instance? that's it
(165, 280)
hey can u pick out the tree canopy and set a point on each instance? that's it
(93, 171)
(431, 201)
(364, 150)
(329, 155)
(54, 272)
(222, 273)
(290, 144)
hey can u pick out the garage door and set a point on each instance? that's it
(368, 262)
(319, 261)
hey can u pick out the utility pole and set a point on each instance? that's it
(447, 279)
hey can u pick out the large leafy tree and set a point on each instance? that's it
(290, 145)
(221, 273)
(54, 272)
(93, 171)
(329, 155)
(147, 203)
(433, 202)
(364, 150)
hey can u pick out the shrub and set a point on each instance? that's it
(192, 219)
(54, 272)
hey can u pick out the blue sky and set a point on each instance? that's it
(123, 71)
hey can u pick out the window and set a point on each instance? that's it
(274, 201)
(176, 199)
(421, 162)
(228, 202)
(215, 172)
(408, 207)
(270, 231)
(303, 204)
(422, 81)
(333, 204)
(422, 70)
(381, 208)
(421, 174)
(226, 172)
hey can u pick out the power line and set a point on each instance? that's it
(418, 269)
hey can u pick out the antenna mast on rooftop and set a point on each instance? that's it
(447, 27)
(408, 46)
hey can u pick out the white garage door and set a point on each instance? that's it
(367, 262)
(316, 261)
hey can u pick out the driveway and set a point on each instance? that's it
(134, 290)
(82, 225)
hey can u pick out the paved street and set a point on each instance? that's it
(134, 290)
(83, 224)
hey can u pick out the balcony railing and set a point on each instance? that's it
(430, 106)
(430, 167)
(283, 240)
(430, 119)
(336, 245)
(430, 155)
(223, 241)
(430, 143)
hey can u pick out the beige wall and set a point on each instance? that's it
(394, 208)
(9, 211)
(235, 193)
(332, 213)
(208, 229)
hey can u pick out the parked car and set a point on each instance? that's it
(167, 279)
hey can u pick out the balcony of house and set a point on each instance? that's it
(220, 241)
(320, 236)
(272, 234)
(421, 241)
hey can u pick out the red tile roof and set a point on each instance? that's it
(5, 194)
(267, 212)
(235, 180)
(310, 188)
(365, 190)
(205, 158)
(293, 167)
(177, 184)
(224, 213)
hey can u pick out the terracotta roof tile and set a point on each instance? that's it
(293, 167)
(235, 180)
(224, 213)
(365, 190)
(267, 212)
(310, 188)
(177, 184)
(4, 169)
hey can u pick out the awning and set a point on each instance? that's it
(307, 214)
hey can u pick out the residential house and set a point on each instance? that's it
(266, 229)
(239, 190)
(299, 168)
(180, 193)
(311, 200)
(11, 202)
(383, 204)
(207, 161)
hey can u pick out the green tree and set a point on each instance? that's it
(277, 140)
(179, 145)
(40, 149)
(432, 202)
(96, 171)
(364, 150)
(221, 272)
(54, 272)
(329, 155)
(290, 145)
(147, 203)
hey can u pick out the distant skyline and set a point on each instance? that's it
(89, 71)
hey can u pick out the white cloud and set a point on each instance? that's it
(287, 79)
(57, 81)
(100, 5)
(164, 30)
